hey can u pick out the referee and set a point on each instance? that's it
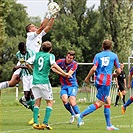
(121, 85)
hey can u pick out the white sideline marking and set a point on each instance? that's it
(15, 130)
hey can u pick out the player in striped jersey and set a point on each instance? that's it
(22, 53)
(69, 86)
(26, 76)
(33, 42)
(103, 66)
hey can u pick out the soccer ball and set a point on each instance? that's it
(53, 6)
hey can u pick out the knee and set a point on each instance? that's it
(50, 103)
(64, 100)
(72, 101)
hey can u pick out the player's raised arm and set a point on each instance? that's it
(46, 25)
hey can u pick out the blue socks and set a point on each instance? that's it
(69, 108)
(89, 110)
(129, 101)
(107, 115)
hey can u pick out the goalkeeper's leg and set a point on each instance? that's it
(11, 83)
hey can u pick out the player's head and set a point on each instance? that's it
(107, 44)
(46, 46)
(22, 48)
(70, 56)
(121, 65)
(31, 28)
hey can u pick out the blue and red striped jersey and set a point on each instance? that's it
(131, 71)
(66, 67)
(105, 61)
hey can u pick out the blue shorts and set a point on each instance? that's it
(69, 90)
(102, 92)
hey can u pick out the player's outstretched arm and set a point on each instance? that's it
(49, 25)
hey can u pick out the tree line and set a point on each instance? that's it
(76, 27)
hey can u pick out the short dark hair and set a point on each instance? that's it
(27, 27)
(107, 44)
(21, 46)
(72, 53)
(46, 46)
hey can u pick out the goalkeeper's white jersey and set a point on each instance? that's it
(34, 41)
(29, 53)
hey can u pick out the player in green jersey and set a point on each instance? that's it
(42, 63)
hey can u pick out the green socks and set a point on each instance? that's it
(47, 114)
(35, 114)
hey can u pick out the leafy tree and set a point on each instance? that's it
(16, 18)
(77, 28)
(2, 37)
(117, 20)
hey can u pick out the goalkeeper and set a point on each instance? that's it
(33, 42)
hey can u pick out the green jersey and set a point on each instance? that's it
(42, 62)
(29, 53)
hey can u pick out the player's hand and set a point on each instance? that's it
(68, 75)
(86, 80)
(128, 86)
(114, 75)
(53, 9)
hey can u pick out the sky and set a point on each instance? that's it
(39, 7)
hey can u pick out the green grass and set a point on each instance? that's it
(14, 117)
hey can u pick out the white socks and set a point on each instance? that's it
(4, 85)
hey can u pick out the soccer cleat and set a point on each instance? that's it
(123, 110)
(38, 126)
(116, 105)
(112, 128)
(46, 126)
(79, 120)
(72, 119)
(23, 102)
(32, 120)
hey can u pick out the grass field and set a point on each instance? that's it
(14, 117)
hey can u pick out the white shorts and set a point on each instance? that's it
(42, 91)
(27, 82)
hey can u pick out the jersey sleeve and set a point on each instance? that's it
(116, 62)
(43, 33)
(31, 53)
(18, 55)
(52, 59)
(74, 66)
(95, 60)
(31, 35)
(18, 63)
(59, 62)
(31, 59)
(131, 71)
